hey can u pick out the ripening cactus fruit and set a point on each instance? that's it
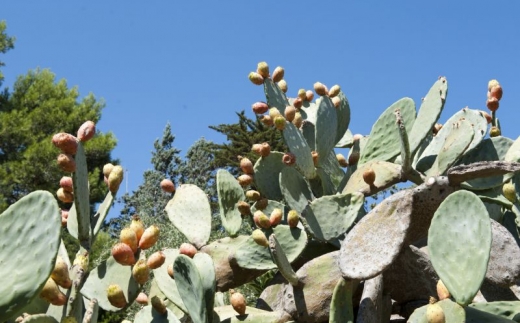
(188, 249)
(434, 312)
(66, 142)
(167, 186)
(267, 120)
(156, 260)
(123, 254)
(289, 112)
(169, 269)
(142, 299)
(256, 78)
(293, 218)
(128, 237)
(492, 104)
(66, 184)
(289, 159)
(334, 91)
(149, 237)
(274, 112)
(66, 163)
(244, 208)
(278, 74)
(297, 103)
(238, 302)
(60, 273)
(115, 296)
(276, 217)
(64, 196)
(107, 169)
(320, 89)
(442, 291)
(309, 95)
(302, 94)
(158, 305)
(315, 157)
(263, 69)
(369, 176)
(253, 195)
(52, 294)
(298, 120)
(86, 131)
(115, 178)
(336, 101)
(245, 180)
(141, 272)
(279, 122)
(261, 204)
(341, 160)
(260, 107)
(282, 84)
(494, 90)
(494, 132)
(246, 165)
(260, 238)
(261, 220)
(508, 189)
(138, 226)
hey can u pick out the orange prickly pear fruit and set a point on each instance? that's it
(320, 89)
(293, 218)
(256, 78)
(60, 273)
(265, 150)
(66, 142)
(336, 101)
(442, 291)
(487, 116)
(238, 302)
(167, 186)
(341, 160)
(298, 120)
(86, 131)
(257, 149)
(64, 196)
(170, 270)
(188, 249)
(492, 104)
(66, 163)
(245, 180)
(260, 107)
(290, 113)
(260, 238)
(261, 220)
(52, 294)
(246, 165)
(123, 254)
(369, 176)
(149, 237)
(115, 296)
(297, 103)
(66, 184)
(282, 84)
(263, 69)
(128, 237)
(141, 272)
(278, 74)
(276, 217)
(158, 305)
(156, 260)
(334, 91)
(138, 226)
(244, 208)
(309, 95)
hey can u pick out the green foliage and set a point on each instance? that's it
(6, 43)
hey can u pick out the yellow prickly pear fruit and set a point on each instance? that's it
(309, 95)
(256, 78)
(81, 261)
(442, 291)
(238, 302)
(156, 260)
(302, 94)
(123, 254)
(188, 249)
(494, 132)
(320, 89)
(128, 237)
(274, 112)
(142, 299)
(149, 237)
(245, 180)
(141, 272)
(289, 112)
(138, 227)
(260, 238)
(509, 191)
(253, 195)
(341, 160)
(158, 305)
(86, 131)
(293, 218)
(244, 208)
(282, 84)
(246, 165)
(334, 91)
(107, 169)
(261, 220)
(279, 123)
(434, 312)
(267, 120)
(115, 296)
(115, 178)
(298, 120)
(66, 184)
(66, 142)
(167, 186)
(278, 74)
(263, 69)
(369, 176)
(60, 273)
(69, 319)
(64, 196)
(66, 163)
(52, 294)
(276, 217)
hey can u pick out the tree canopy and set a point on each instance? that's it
(6, 43)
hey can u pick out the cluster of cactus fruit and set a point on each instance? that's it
(453, 235)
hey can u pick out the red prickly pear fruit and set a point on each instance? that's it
(487, 116)
(509, 191)
(256, 78)
(341, 160)
(282, 84)
(253, 195)
(52, 294)
(158, 305)
(86, 131)
(81, 261)
(434, 312)
(246, 165)
(265, 149)
(260, 107)
(141, 272)
(297, 103)
(494, 132)
(107, 169)
(156, 260)
(442, 291)
(167, 186)
(261, 204)
(315, 157)
(492, 104)
(66, 142)
(276, 217)
(336, 101)
(142, 299)
(261, 220)
(123, 254)
(64, 196)
(293, 218)
(496, 92)
(369, 176)
(279, 123)
(245, 180)
(170, 270)
(263, 69)
(129, 237)
(138, 226)
(436, 128)
(66, 163)
(66, 184)
(260, 238)
(298, 120)
(267, 120)
(274, 112)
(320, 89)
(188, 249)
(309, 95)
(244, 208)
(334, 91)
(60, 273)
(238, 302)
(289, 159)
(149, 237)
(278, 74)
(115, 296)
(302, 94)
(115, 178)
(290, 113)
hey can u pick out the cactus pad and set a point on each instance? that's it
(266, 175)
(148, 314)
(229, 193)
(82, 197)
(40, 318)
(387, 174)
(452, 311)
(326, 125)
(343, 117)
(300, 148)
(30, 230)
(341, 307)
(295, 189)
(167, 285)
(191, 288)
(274, 96)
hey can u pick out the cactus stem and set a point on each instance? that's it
(92, 305)
(405, 145)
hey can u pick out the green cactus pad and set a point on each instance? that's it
(253, 256)
(494, 195)
(300, 148)
(490, 149)
(341, 307)
(362, 255)
(309, 133)
(371, 306)
(148, 314)
(206, 270)
(343, 117)
(102, 212)
(166, 284)
(326, 127)
(229, 193)
(281, 260)
(266, 175)
(82, 197)
(459, 241)
(30, 230)
(329, 217)
(509, 310)
(429, 112)
(387, 174)
(226, 314)
(322, 185)
(309, 111)
(191, 288)
(346, 141)
(155, 291)
(456, 143)
(189, 200)
(274, 96)
(383, 143)
(107, 273)
(295, 189)
(452, 311)
(474, 315)
(332, 168)
(40, 318)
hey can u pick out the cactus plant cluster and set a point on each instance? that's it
(453, 235)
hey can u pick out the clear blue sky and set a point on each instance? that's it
(186, 62)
